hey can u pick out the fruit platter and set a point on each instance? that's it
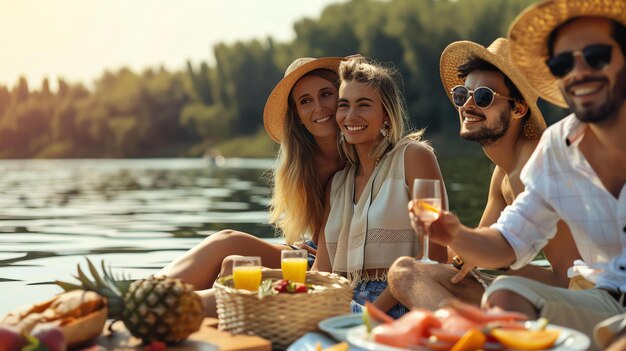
(458, 326)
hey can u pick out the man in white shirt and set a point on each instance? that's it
(498, 109)
(570, 51)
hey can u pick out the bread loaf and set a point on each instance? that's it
(79, 314)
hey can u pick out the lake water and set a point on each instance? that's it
(138, 215)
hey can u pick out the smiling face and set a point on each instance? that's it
(593, 94)
(360, 113)
(315, 99)
(485, 126)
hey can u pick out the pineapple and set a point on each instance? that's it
(153, 309)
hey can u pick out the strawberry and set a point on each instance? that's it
(281, 285)
(301, 288)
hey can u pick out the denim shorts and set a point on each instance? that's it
(369, 291)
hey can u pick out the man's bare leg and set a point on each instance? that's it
(416, 284)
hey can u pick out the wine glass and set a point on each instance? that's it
(427, 207)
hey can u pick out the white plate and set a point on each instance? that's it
(357, 336)
(568, 340)
(338, 326)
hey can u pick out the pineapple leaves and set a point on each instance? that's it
(83, 278)
(95, 274)
(120, 283)
(67, 286)
(103, 283)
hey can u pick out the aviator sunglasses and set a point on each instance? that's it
(483, 96)
(595, 56)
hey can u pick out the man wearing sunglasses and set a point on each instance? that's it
(577, 173)
(498, 109)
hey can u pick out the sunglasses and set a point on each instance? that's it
(595, 56)
(483, 96)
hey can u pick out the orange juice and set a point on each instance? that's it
(247, 277)
(294, 269)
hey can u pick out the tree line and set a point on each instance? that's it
(182, 113)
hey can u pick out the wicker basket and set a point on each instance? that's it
(282, 318)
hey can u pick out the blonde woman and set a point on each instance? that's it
(300, 116)
(368, 228)
(308, 154)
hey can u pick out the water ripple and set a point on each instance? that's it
(138, 215)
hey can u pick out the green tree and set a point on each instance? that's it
(162, 113)
(20, 92)
(5, 100)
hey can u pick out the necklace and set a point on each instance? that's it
(389, 148)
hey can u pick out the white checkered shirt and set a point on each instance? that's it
(560, 184)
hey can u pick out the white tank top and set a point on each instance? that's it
(375, 231)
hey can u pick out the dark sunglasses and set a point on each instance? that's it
(483, 96)
(595, 56)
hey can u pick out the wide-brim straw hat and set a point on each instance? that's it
(530, 31)
(458, 53)
(275, 110)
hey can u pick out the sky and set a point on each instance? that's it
(78, 39)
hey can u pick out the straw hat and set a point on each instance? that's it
(275, 110)
(529, 34)
(458, 53)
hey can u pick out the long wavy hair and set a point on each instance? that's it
(386, 81)
(297, 200)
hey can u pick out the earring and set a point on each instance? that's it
(341, 138)
(384, 130)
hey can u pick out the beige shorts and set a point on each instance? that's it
(607, 331)
(580, 310)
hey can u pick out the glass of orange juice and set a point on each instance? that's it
(294, 263)
(247, 272)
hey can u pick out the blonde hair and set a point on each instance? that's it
(297, 202)
(386, 82)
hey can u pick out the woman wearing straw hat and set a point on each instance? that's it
(299, 115)
(366, 226)
(498, 109)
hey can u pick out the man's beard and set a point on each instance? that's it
(486, 136)
(608, 109)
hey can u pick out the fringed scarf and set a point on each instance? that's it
(375, 231)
